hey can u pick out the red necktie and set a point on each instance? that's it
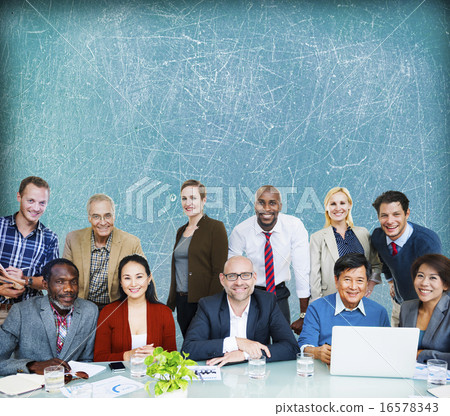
(268, 260)
(394, 249)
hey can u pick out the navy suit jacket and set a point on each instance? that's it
(29, 331)
(265, 323)
(436, 340)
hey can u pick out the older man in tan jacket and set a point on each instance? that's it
(97, 251)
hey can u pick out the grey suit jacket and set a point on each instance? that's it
(324, 253)
(436, 340)
(30, 332)
(78, 250)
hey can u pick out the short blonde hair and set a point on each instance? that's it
(101, 197)
(331, 192)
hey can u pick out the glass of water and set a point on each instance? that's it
(257, 367)
(437, 372)
(54, 378)
(305, 364)
(137, 365)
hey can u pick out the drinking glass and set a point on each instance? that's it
(137, 365)
(54, 378)
(305, 364)
(437, 372)
(257, 367)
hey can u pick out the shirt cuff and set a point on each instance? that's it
(303, 293)
(302, 348)
(229, 344)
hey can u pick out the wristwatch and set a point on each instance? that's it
(29, 282)
(302, 315)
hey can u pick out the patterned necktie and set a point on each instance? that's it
(268, 260)
(394, 249)
(62, 333)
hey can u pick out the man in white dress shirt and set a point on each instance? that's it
(274, 241)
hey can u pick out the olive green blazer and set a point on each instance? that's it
(207, 254)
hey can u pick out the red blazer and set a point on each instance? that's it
(113, 335)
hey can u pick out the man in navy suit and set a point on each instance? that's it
(240, 322)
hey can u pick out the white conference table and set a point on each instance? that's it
(281, 381)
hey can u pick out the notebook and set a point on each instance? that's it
(374, 351)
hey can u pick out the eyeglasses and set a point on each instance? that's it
(231, 277)
(79, 374)
(107, 217)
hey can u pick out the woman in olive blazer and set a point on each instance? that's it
(207, 254)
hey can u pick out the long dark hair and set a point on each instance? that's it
(150, 293)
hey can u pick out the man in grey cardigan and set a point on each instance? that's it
(49, 330)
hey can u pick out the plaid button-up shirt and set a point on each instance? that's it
(98, 282)
(28, 253)
(62, 326)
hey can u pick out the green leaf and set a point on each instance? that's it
(168, 368)
(158, 390)
(158, 350)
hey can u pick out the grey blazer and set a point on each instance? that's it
(30, 332)
(324, 253)
(436, 340)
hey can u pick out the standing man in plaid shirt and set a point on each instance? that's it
(26, 245)
(97, 251)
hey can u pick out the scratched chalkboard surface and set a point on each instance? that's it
(131, 98)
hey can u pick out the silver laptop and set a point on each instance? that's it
(374, 351)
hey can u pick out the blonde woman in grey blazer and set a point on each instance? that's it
(339, 233)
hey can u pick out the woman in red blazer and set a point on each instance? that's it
(137, 322)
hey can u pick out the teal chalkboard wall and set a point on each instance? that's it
(133, 97)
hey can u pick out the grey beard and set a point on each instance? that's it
(60, 306)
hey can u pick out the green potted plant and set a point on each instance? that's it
(170, 369)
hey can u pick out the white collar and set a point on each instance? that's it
(276, 228)
(244, 314)
(401, 241)
(341, 307)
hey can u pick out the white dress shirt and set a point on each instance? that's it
(238, 328)
(289, 242)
